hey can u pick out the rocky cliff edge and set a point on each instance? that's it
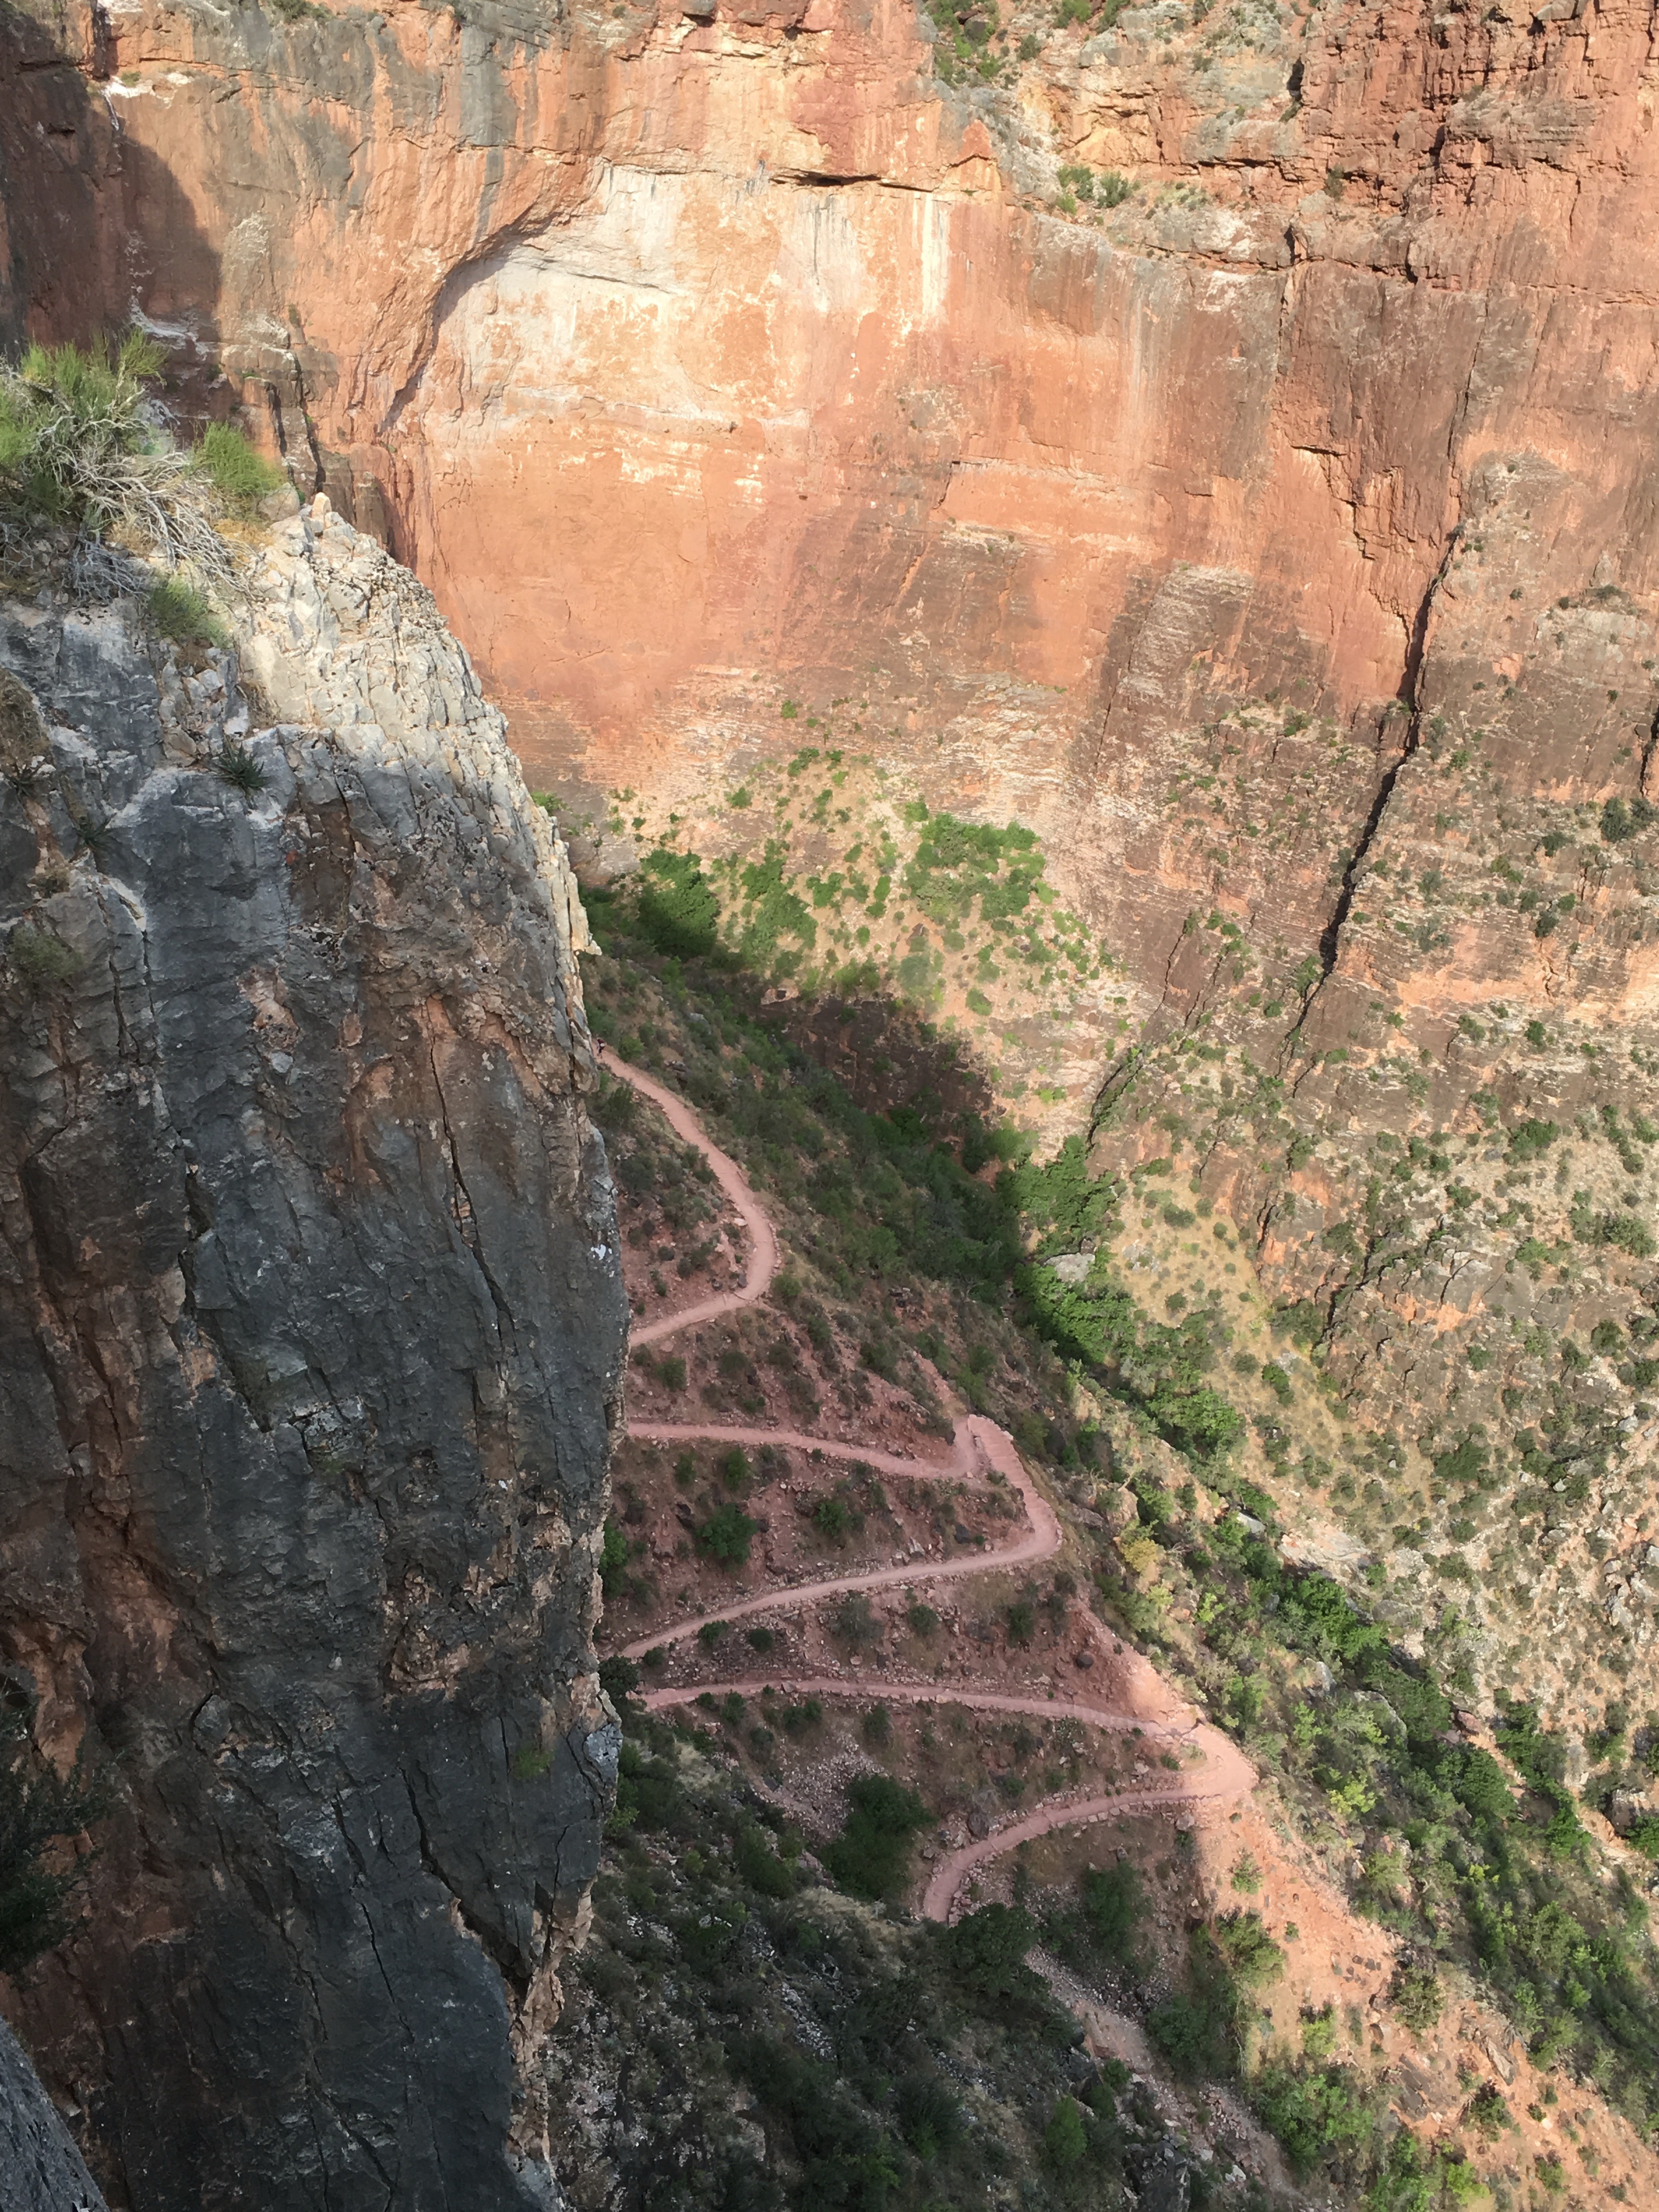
(313, 1325)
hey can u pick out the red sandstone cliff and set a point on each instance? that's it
(672, 347)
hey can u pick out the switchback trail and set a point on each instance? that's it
(978, 1445)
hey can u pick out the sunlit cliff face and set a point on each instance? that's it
(695, 358)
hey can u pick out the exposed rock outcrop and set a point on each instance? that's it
(40, 2169)
(314, 1326)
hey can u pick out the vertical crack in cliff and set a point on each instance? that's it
(467, 1216)
(494, 1948)
(279, 422)
(1330, 938)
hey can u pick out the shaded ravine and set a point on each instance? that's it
(977, 1445)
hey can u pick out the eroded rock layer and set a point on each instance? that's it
(314, 1326)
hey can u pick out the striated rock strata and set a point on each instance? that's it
(314, 1324)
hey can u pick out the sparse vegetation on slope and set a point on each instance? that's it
(1476, 1859)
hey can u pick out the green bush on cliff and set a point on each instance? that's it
(77, 449)
(237, 470)
(180, 611)
(71, 428)
(726, 1534)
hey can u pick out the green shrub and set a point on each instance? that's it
(835, 1518)
(613, 1559)
(986, 1950)
(1248, 1952)
(41, 962)
(1627, 1233)
(856, 1623)
(181, 610)
(734, 1467)
(726, 1534)
(1247, 1875)
(1021, 1617)
(929, 2116)
(1530, 1138)
(75, 449)
(872, 1855)
(1065, 2140)
(1621, 820)
(69, 425)
(1488, 2114)
(1112, 1906)
(758, 1863)
(1416, 1995)
(238, 766)
(922, 1619)
(1321, 2113)
(1192, 2029)
(880, 1358)
(237, 470)
(1278, 1382)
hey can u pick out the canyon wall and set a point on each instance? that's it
(698, 355)
(313, 1326)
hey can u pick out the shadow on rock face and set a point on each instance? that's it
(70, 185)
(313, 1327)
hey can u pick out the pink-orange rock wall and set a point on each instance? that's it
(679, 349)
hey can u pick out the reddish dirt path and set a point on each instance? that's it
(977, 1445)
(764, 1242)
(1228, 1773)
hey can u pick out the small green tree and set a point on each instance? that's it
(237, 470)
(872, 1855)
(1065, 2140)
(987, 1949)
(726, 1534)
(1416, 1995)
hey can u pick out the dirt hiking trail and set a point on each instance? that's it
(979, 1448)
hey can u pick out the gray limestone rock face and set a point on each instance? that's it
(40, 2169)
(313, 1325)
